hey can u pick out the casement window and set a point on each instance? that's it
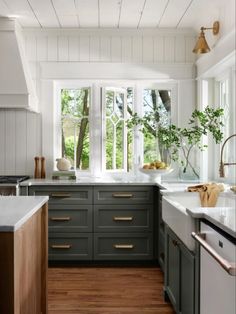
(157, 104)
(75, 143)
(91, 124)
(220, 92)
(117, 145)
(225, 92)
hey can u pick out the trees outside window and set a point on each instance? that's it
(156, 110)
(75, 105)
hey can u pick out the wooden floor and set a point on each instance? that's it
(107, 290)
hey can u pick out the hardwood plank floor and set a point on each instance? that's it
(107, 290)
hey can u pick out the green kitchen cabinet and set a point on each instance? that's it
(179, 274)
(160, 233)
(102, 222)
(70, 221)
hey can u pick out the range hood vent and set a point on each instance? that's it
(16, 85)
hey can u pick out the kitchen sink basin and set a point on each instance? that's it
(175, 215)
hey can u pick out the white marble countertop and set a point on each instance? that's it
(139, 180)
(222, 217)
(16, 210)
(93, 181)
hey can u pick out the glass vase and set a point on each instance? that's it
(187, 173)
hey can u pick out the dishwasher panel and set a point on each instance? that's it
(218, 288)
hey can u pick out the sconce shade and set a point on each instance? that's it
(201, 45)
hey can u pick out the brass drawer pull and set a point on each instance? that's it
(122, 218)
(60, 218)
(123, 246)
(122, 195)
(60, 194)
(61, 246)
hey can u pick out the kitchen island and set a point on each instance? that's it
(23, 254)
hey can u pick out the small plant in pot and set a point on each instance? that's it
(181, 143)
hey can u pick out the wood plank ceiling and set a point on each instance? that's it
(112, 13)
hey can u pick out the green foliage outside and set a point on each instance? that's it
(74, 112)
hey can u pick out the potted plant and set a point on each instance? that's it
(180, 143)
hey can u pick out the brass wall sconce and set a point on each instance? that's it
(202, 45)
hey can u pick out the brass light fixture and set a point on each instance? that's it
(202, 45)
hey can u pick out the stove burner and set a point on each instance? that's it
(12, 179)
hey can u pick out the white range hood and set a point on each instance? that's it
(16, 85)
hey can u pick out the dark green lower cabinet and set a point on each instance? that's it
(123, 246)
(179, 274)
(187, 271)
(70, 246)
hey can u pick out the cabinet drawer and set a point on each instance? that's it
(123, 195)
(64, 194)
(126, 246)
(65, 246)
(70, 218)
(122, 218)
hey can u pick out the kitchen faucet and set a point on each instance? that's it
(222, 164)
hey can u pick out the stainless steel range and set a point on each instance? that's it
(9, 185)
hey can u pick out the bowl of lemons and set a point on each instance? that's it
(156, 169)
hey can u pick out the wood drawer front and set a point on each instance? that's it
(70, 218)
(123, 218)
(76, 246)
(64, 194)
(125, 246)
(123, 195)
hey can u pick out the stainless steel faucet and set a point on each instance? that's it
(222, 164)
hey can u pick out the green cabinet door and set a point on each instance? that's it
(172, 265)
(179, 274)
(187, 267)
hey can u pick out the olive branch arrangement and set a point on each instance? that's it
(180, 142)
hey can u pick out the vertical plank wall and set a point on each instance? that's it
(20, 141)
(20, 131)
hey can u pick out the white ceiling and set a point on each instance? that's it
(112, 13)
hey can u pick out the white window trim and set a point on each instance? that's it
(58, 86)
(229, 75)
(103, 129)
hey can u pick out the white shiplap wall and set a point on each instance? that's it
(20, 141)
(20, 131)
(115, 46)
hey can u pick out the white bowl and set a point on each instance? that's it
(154, 173)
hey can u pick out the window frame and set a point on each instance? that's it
(96, 117)
(58, 86)
(229, 75)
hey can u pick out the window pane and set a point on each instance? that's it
(156, 107)
(75, 126)
(109, 144)
(119, 143)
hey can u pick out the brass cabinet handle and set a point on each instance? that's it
(61, 246)
(63, 194)
(123, 246)
(229, 267)
(122, 195)
(117, 218)
(60, 218)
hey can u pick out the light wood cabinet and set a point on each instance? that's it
(23, 267)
